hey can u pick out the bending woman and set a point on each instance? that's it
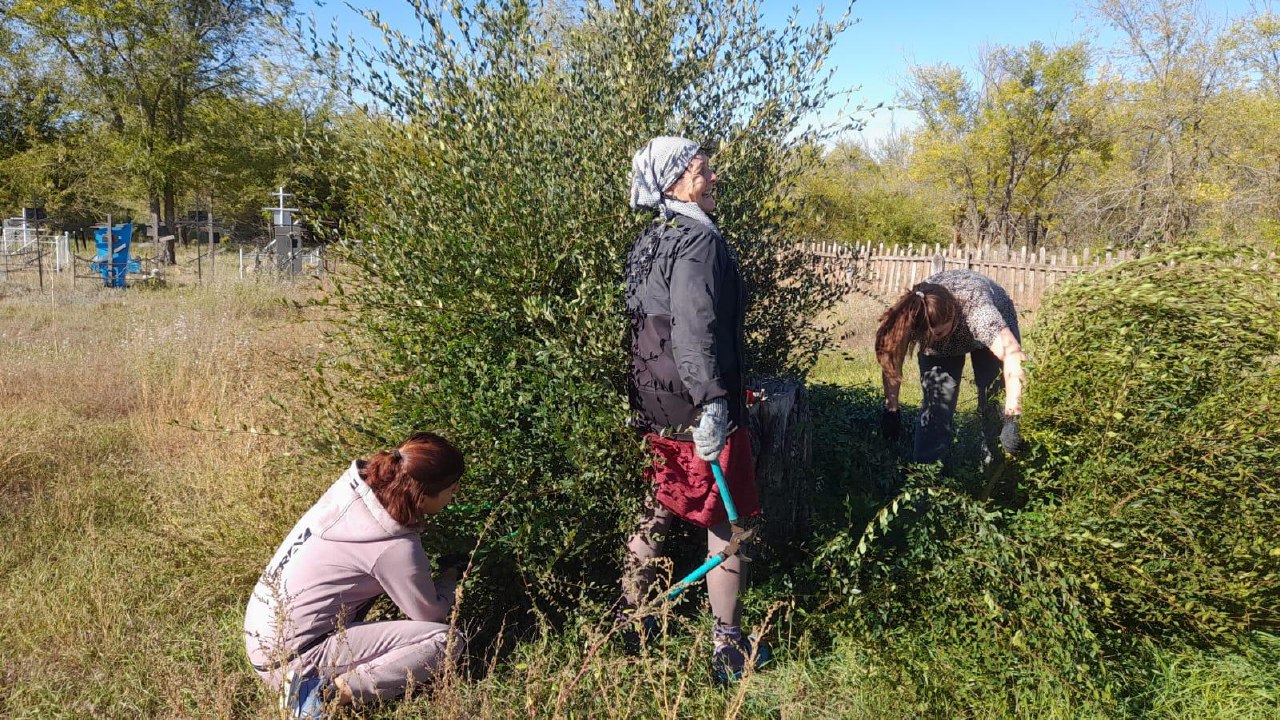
(952, 314)
(686, 303)
(303, 627)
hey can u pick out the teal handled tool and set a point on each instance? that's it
(729, 508)
(739, 536)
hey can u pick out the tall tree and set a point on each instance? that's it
(31, 109)
(1168, 74)
(146, 65)
(1005, 146)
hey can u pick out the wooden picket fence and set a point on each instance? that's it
(887, 272)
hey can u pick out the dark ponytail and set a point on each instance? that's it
(924, 315)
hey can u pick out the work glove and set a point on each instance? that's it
(1010, 436)
(452, 561)
(890, 424)
(713, 430)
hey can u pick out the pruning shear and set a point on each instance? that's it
(740, 536)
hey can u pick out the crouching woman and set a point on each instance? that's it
(304, 628)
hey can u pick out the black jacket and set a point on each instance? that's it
(686, 303)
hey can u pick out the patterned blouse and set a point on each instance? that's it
(985, 310)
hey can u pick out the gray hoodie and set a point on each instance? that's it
(344, 552)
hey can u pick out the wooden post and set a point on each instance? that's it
(781, 425)
(1029, 276)
(111, 245)
(1022, 277)
(210, 218)
(879, 265)
(895, 284)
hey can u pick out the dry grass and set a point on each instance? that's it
(131, 535)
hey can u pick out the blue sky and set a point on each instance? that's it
(872, 57)
(891, 35)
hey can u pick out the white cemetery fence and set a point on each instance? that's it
(888, 271)
(30, 250)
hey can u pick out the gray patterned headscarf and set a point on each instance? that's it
(654, 168)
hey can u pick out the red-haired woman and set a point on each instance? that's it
(303, 627)
(952, 314)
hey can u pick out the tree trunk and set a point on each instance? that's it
(164, 251)
(780, 428)
(170, 210)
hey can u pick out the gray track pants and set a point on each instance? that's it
(723, 583)
(377, 659)
(940, 386)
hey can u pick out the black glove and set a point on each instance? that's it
(452, 561)
(1010, 436)
(890, 424)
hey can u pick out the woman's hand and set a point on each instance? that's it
(713, 430)
(1011, 436)
(890, 424)
(452, 561)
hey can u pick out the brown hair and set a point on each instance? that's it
(416, 469)
(920, 316)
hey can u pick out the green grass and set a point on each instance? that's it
(133, 535)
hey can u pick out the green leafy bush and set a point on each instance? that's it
(1155, 402)
(489, 194)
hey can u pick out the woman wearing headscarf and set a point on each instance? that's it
(952, 314)
(686, 302)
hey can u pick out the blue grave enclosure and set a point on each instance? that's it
(113, 260)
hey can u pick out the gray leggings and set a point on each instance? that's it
(723, 583)
(940, 387)
(377, 659)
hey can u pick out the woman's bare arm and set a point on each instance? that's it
(1009, 351)
(891, 388)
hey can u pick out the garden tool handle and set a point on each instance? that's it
(697, 574)
(730, 509)
(739, 537)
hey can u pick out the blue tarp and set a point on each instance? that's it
(114, 262)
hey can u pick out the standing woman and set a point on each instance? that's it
(686, 304)
(952, 314)
(304, 629)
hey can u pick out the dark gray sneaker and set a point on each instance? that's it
(636, 631)
(732, 656)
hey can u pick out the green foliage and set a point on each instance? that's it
(851, 197)
(1200, 684)
(1154, 404)
(488, 225)
(934, 568)
(143, 75)
(1005, 149)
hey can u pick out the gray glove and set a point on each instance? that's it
(713, 430)
(1011, 436)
